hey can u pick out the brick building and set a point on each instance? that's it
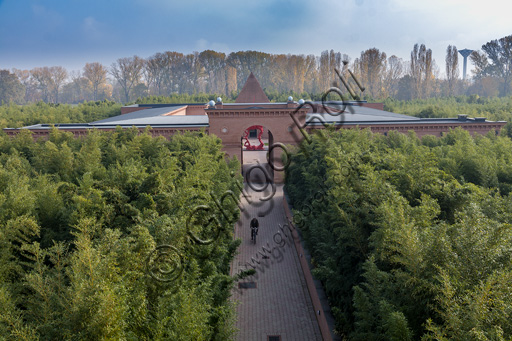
(280, 121)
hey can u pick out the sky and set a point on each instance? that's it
(71, 33)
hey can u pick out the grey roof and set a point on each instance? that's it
(145, 113)
(256, 103)
(182, 120)
(360, 114)
(108, 126)
(354, 115)
(154, 117)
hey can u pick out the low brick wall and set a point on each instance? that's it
(317, 305)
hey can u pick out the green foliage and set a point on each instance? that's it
(15, 116)
(273, 96)
(411, 238)
(183, 98)
(496, 108)
(11, 89)
(79, 219)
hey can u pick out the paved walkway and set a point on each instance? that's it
(280, 303)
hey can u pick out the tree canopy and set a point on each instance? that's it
(169, 73)
(411, 238)
(81, 220)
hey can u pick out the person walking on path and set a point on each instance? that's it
(254, 229)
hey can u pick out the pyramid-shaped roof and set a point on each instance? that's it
(252, 92)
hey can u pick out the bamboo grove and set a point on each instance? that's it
(78, 219)
(412, 239)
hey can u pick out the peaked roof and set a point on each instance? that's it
(252, 92)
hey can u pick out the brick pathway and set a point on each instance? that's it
(280, 304)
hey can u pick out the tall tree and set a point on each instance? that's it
(421, 69)
(58, 76)
(158, 71)
(79, 89)
(49, 80)
(191, 74)
(246, 62)
(127, 72)
(371, 67)
(480, 62)
(485, 83)
(279, 72)
(394, 72)
(11, 89)
(171, 64)
(500, 53)
(327, 62)
(230, 80)
(96, 73)
(42, 77)
(415, 70)
(150, 74)
(405, 88)
(28, 83)
(312, 73)
(213, 62)
(452, 68)
(428, 72)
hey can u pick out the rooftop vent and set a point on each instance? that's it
(480, 119)
(461, 117)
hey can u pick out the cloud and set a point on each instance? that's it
(394, 26)
(203, 44)
(46, 19)
(92, 29)
(276, 26)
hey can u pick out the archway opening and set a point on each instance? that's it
(254, 146)
(255, 138)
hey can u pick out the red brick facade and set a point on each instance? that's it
(229, 121)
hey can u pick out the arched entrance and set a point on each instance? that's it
(250, 134)
(254, 145)
(229, 121)
(258, 176)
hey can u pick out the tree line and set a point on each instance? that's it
(16, 116)
(167, 73)
(79, 219)
(410, 237)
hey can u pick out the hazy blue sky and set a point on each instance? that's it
(73, 32)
